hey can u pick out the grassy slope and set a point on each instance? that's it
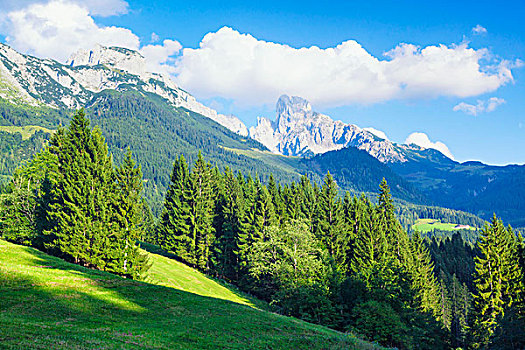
(25, 131)
(48, 303)
(427, 225)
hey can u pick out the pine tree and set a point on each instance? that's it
(496, 280)
(264, 213)
(370, 253)
(395, 235)
(93, 211)
(202, 208)
(422, 275)
(232, 234)
(82, 196)
(127, 259)
(174, 222)
(329, 222)
(445, 307)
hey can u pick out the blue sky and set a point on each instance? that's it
(495, 134)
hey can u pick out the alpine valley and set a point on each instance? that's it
(158, 120)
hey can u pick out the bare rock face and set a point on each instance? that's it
(35, 81)
(299, 131)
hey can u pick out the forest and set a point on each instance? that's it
(338, 260)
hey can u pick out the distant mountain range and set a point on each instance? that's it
(158, 120)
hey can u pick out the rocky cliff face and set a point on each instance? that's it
(35, 81)
(299, 131)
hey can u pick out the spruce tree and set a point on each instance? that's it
(329, 221)
(174, 221)
(202, 208)
(496, 280)
(396, 237)
(81, 206)
(422, 275)
(126, 258)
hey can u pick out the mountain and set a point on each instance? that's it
(470, 186)
(357, 171)
(143, 111)
(45, 82)
(148, 113)
(299, 131)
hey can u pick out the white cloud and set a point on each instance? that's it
(478, 30)
(481, 106)
(237, 66)
(421, 139)
(154, 37)
(377, 133)
(101, 8)
(58, 28)
(159, 57)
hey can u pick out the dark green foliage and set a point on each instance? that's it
(174, 222)
(379, 322)
(309, 253)
(71, 201)
(498, 281)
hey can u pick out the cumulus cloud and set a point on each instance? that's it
(159, 58)
(251, 71)
(421, 139)
(377, 133)
(481, 106)
(57, 29)
(478, 30)
(101, 8)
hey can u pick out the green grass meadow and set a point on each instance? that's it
(46, 303)
(427, 225)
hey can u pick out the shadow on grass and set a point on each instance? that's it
(48, 303)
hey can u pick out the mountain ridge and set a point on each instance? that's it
(48, 82)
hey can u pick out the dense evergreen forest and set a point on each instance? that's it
(339, 261)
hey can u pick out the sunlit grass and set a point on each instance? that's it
(427, 225)
(46, 303)
(25, 131)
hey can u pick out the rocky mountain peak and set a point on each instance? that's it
(300, 131)
(290, 106)
(116, 57)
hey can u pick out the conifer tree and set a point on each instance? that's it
(445, 307)
(126, 258)
(264, 213)
(232, 233)
(202, 207)
(422, 275)
(175, 216)
(93, 211)
(329, 222)
(370, 253)
(396, 237)
(496, 280)
(81, 207)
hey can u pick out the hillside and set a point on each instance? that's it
(471, 186)
(155, 131)
(48, 303)
(356, 170)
